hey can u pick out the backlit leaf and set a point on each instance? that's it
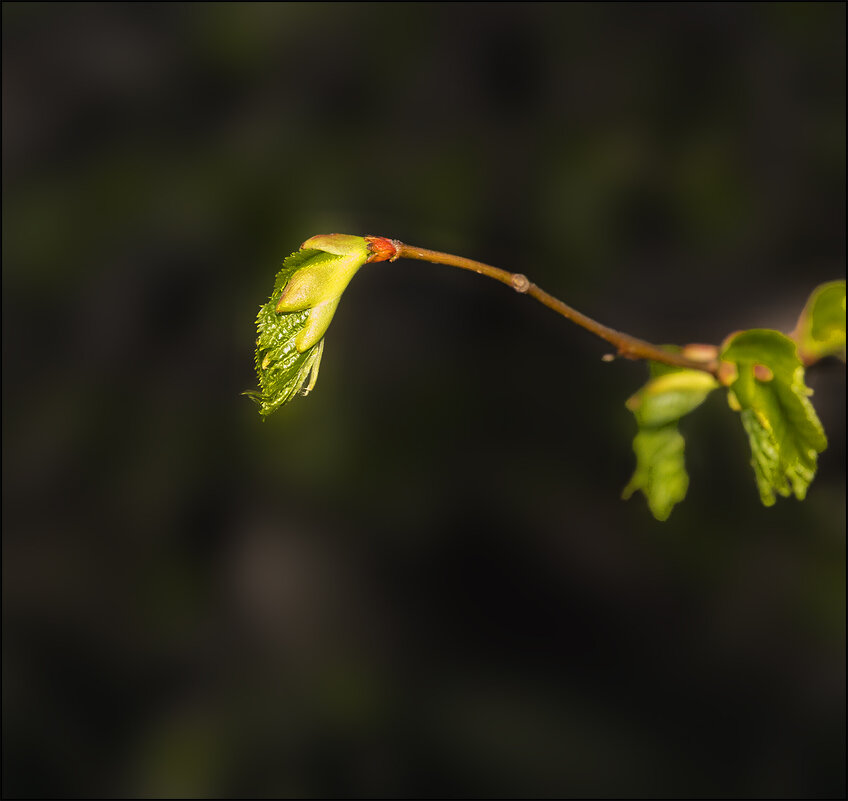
(765, 380)
(660, 466)
(820, 330)
(292, 324)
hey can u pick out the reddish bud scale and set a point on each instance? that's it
(763, 372)
(382, 249)
(727, 373)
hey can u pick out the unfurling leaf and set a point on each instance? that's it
(820, 330)
(292, 324)
(660, 467)
(767, 388)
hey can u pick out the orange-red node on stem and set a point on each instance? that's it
(382, 249)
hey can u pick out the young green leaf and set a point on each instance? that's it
(765, 380)
(660, 467)
(820, 330)
(292, 324)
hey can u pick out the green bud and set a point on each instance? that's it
(293, 322)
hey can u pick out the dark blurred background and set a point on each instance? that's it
(420, 581)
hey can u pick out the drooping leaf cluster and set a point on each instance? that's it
(660, 467)
(763, 372)
(292, 324)
(283, 371)
(766, 386)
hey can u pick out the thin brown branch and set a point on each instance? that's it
(626, 346)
